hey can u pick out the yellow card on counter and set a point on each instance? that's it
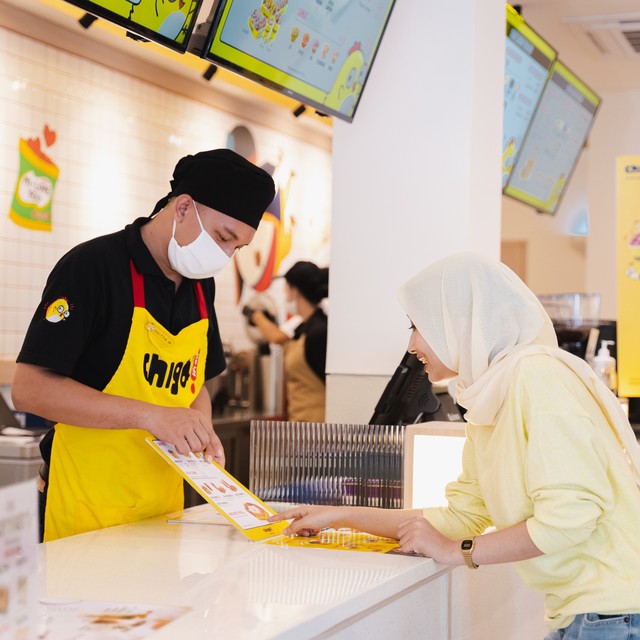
(340, 539)
(236, 503)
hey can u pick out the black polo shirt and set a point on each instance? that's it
(94, 281)
(315, 345)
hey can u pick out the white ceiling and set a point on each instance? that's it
(561, 23)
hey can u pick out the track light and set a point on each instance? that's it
(87, 20)
(299, 110)
(209, 72)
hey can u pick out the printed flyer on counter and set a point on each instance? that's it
(89, 620)
(248, 513)
(18, 567)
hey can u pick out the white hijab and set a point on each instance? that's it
(479, 318)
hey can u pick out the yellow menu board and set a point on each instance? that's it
(628, 275)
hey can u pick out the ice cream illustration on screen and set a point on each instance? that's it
(347, 86)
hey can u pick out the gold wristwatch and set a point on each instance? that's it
(466, 546)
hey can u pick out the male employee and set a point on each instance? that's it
(122, 342)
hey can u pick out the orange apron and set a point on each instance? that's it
(103, 477)
(305, 391)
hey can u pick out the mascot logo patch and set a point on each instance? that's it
(58, 310)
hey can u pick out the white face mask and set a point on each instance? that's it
(202, 258)
(292, 307)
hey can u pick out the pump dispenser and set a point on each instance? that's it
(605, 365)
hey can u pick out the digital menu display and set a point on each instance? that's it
(553, 143)
(317, 51)
(528, 59)
(167, 23)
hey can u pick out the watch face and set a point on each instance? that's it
(466, 545)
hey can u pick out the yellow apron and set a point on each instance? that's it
(103, 477)
(305, 391)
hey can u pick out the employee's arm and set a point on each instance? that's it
(61, 399)
(202, 402)
(268, 329)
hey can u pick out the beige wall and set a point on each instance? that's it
(555, 262)
(555, 255)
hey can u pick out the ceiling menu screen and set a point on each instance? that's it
(320, 50)
(554, 140)
(528, 59)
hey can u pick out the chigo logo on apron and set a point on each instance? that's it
(172, 376)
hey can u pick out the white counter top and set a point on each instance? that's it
(235, 588)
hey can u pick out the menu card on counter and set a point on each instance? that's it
(248, 513)
(18, 560)
(236, 503)
(340, 539)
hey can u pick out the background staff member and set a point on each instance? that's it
(305, 354)
(122, 342)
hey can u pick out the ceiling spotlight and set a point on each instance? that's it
(209, 72)
(87, 20)
(299, 110)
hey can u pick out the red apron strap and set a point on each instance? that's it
(138, 286)
(202, 305)
(138, 292)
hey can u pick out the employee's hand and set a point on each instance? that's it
(308, 520)
(187, 430)
(418, 536)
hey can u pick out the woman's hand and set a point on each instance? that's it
(417, 536)
(308, 520)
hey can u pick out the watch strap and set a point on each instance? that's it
(467, 546)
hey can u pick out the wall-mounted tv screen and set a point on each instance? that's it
(319, 52)
(556, 135)
(528, 59)
(169, 23)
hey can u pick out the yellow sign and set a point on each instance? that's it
(628, 272)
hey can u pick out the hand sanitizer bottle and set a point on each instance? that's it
(605, 366)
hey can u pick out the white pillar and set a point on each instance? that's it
(416, 177)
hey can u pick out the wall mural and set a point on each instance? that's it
(258, 263)
(37, 176)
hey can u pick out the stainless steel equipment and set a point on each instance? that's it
(20, 458)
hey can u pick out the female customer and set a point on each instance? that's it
(549, 460)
